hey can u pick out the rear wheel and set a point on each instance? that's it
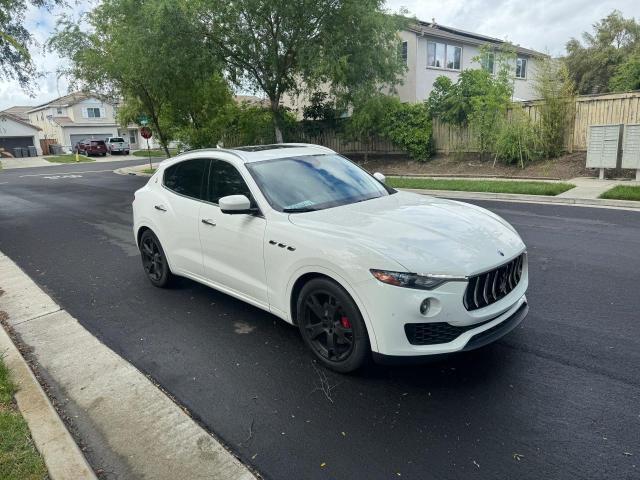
(154, 261)
(332, 326)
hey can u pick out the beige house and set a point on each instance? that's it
(77, 116)
(430, 50)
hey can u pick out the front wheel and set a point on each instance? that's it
(154, 261)
(332, 326)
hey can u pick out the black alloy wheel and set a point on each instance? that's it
(332, 326)
(154, 261)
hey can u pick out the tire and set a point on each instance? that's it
(154, 260)
(331, 326)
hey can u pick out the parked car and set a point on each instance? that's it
(117, 145)
(91, 147)
(362, 269)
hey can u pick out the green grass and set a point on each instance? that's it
(493, 186)
(19, 459)
(150, 171)
(154, 152)
(68, 158)
(623, 192)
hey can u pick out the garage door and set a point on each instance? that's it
(9, 143)
(75, 138)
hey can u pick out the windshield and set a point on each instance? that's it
(116, 139)
(314, 182)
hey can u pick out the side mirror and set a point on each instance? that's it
(380, 177)
(235, 204)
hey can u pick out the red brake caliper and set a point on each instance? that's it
(345, 322)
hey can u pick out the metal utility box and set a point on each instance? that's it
(631, 147)
(603, 150)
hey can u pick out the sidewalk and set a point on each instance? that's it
(30, 162)
(588, 187)
(130, 427)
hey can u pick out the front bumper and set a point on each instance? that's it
(389, 309)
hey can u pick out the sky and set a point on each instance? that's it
(543, 25)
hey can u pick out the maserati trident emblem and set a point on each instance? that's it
(503, 285)
(501, 253)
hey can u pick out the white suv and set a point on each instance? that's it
(359, 267)
(117, 145)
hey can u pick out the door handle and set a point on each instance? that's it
(206, 221)
(162, 208)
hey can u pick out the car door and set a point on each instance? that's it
(177, 214)
(232, 245)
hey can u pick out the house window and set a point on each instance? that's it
(59, 111)
(487, 62)
(403, 50)
(93, 112)
(441, 55)
(521, 68)
(453, 57)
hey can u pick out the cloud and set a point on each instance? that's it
(543, 25)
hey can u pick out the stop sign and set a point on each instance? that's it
(146, 132)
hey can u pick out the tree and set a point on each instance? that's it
(15, 40)
(627, 75)
(556, 90)
(593, 62)
(153, 62)
(281, 47)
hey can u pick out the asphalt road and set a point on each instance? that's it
(559, 397)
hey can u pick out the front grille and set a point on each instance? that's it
(434, 333)
(489, 287)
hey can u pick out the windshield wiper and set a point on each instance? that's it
(298, 210)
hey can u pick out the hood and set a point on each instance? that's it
(424, 234)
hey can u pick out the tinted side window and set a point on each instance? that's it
(225, 180)
(187, 178)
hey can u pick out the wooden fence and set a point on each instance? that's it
(334, 141)
(614, 108)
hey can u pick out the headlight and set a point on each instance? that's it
(413, 280)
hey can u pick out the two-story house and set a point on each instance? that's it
(77, 116)
(430, 50)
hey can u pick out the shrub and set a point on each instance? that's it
(556, 91)
(406, 125)
(517, 141)
(409, 127)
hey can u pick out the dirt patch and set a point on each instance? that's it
(568, 166)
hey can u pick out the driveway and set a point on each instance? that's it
(558, 397)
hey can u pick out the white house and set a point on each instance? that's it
(431, 50)
(16, 132)
(77, 116)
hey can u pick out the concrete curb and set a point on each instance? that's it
(471, 176)
(61, 454)
(140, 431)
(511, 197)
(136, 170)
